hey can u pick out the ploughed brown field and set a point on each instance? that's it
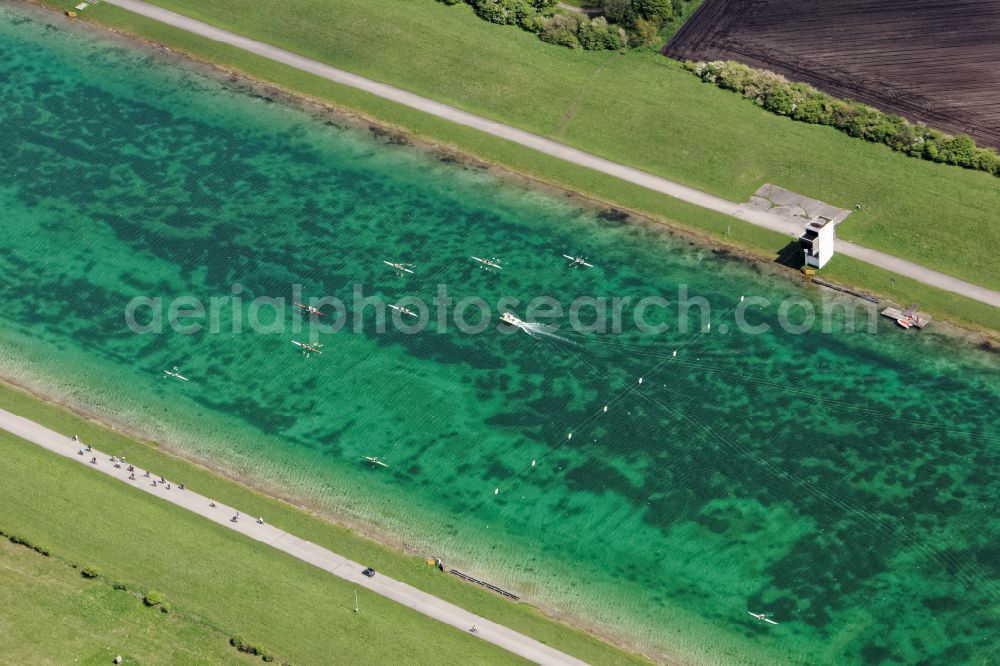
(935, 61)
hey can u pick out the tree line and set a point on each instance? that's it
(622, 23)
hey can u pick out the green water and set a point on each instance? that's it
(845, 482)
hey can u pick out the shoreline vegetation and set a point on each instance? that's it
(907, 226)
(592, 644)
(802, 102)
(594, 25)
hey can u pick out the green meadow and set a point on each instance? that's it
(51, 614)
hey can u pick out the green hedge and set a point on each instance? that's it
(572, 29)
(803, 102)
(22, 540)
(243, 645)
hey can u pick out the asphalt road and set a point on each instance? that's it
(339, 566)
(555, 149)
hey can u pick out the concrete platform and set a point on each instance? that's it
(792, 206)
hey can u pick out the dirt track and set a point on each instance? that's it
(926, 60)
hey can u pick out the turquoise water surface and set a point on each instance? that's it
(845, 482)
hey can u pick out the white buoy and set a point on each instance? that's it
(570, 436)
(532, 463)
(709, 327)
(741, 298)
(640, 380)
(496, 492)
(675, 352)
(605, 409)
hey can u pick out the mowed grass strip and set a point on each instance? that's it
(50, 614)
(313, 600)
(639, 109)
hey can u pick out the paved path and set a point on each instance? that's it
(306, 551)
(549, 147)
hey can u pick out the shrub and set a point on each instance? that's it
(504, 12)
(119, 585)
(658, 11)
(931, 151)
(779, 100)
(560, 29)
(597, 34)
(242, 645)
(619, 11)
(959, 150)
(90, 572)
(571, 29)
(490, 10)
(645, 32)
(811, 110)
(166, 607)
(531, 22)
(28, 543)
(152, 598)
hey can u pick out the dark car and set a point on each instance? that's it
(369, 572)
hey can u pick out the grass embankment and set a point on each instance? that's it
(50, 614)
(233, 584)
(637, 108)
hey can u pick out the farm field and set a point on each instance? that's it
(925, 60)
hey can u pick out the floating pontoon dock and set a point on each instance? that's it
(917, 319)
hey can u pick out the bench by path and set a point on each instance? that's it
(339, 566)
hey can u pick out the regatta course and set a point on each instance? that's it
(695, 490)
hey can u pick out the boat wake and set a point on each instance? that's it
(533, 329)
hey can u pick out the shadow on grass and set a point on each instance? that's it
(791, 255)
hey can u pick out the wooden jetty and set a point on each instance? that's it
(915, 319)
(489, 586)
